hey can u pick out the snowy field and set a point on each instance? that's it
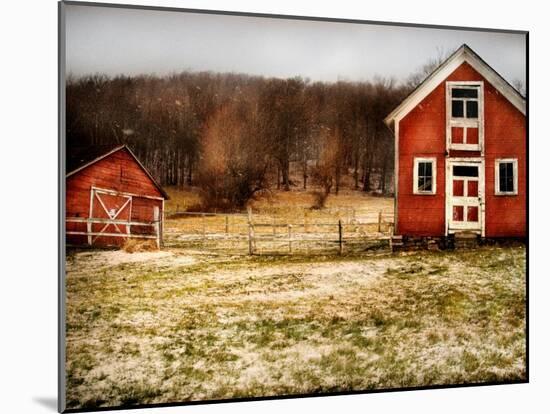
(183, 324)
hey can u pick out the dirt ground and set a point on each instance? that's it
(184, 325)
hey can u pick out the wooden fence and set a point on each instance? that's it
(119, 228)
(263, 233)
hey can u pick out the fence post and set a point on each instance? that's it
(156, 218)
(340, 241)
(226, 224)
(250, 239)
(379, 221)
(89, 231)
(250, 232)
(290, 238)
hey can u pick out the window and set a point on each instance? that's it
(465, 116)
(465, 102)
(506, 176)
(424, 176)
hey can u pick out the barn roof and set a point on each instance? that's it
(79, 158)
(463, 54)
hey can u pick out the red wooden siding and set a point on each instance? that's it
(117, 172)
(422, 133)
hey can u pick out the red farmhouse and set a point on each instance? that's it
(111, 197)
(460, 153)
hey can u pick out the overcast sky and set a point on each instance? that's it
(124, 41)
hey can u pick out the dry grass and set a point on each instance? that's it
(277, 201)
(136, 245)
(180, 325)
(275, 210)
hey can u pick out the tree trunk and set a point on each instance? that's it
(356, 172)
(285, 168)
(304, 173)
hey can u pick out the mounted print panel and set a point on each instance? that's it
(275, 206)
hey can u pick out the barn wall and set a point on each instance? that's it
(422, 133)
(119, 172)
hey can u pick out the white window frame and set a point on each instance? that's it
(465, 122)
(514, 162)
(418, 160)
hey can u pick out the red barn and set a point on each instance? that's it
(460, 153)
(111, 197)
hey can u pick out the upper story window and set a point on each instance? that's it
(465, 116)
(465, 102)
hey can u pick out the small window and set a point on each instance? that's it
(465, 102)
(465, 171)
(424, 176)
(506, 177)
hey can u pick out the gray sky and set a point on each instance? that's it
(125, 41)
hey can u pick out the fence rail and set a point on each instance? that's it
(92, 234)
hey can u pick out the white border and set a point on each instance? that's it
(31, 335)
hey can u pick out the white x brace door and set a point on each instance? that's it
(111, 208)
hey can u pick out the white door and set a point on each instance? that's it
(465, 196)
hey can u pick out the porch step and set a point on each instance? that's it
(466, 240)
(396, 243)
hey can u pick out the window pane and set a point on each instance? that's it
(471, 109)
(506, 177)
(458, 109)
(464, 171)
(509, 169)
(421, 169)
(427, 184)
(464, 93)
(421, 183)
(428, 169)
(510, 183)
(502, 178)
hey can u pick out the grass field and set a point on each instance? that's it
(183, 325)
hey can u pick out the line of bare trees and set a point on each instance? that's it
(234, 135)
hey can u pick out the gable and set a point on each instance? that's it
(120, 170)
(463, 55)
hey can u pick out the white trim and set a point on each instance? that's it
(418, 160)
(465, 123)
(473, 161)
(514, 162)
(396, 178)
(462, 54)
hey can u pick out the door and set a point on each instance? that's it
(109, 211)
(465, 196)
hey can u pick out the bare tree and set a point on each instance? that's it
(234, 161)
(325, 173)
